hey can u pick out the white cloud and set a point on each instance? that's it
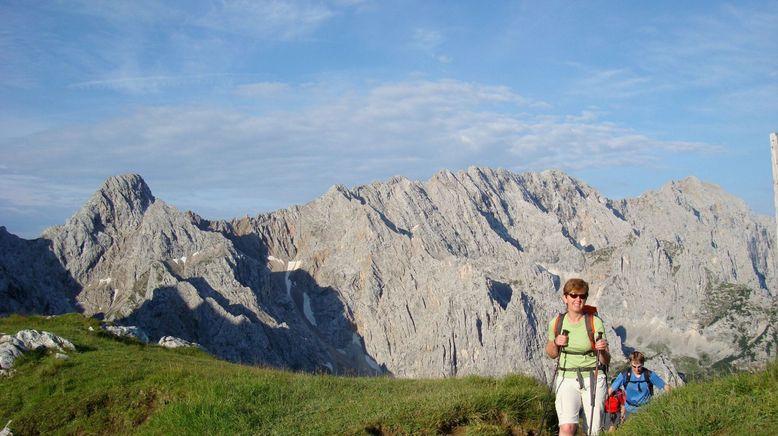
(409, 128)
(223, 163)
(427, 39)
(725, 49)
(135, 12)
(120, 45)
(618, 83)
(761, 99)
(723, 46)
(727, 46)
(24, 192)
(274, 19)
(262, 89)
(15, 126)
(149, 84)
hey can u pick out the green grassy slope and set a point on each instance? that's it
(112, 386)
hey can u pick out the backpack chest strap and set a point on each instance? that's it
(578, 353)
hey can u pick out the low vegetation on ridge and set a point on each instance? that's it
(119, 386)
(113, 386)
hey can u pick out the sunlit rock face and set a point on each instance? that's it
(456, 275)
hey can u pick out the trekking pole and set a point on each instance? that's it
(553, 379)
(593, 387)
(565, 333)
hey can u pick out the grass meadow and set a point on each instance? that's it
(119, 386)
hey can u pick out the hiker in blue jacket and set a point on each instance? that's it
(638, 383)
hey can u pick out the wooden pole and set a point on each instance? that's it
(774, 150)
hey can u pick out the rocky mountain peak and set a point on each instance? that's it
(121, 198)
(127, 184)
(456, 275)
(695, 201)
(702, 194)
(116, 209)
(120, 202)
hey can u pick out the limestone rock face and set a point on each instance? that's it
(11, 347)
(34, 340)
(457, 275)
(131, 331)
(6, 431)
(172, 342)
(32, 280)
(663, 367)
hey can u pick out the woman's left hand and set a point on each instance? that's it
(601, 345)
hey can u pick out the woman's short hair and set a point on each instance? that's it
(638, 357)
(576, 285)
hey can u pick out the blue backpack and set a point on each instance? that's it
(647, 379)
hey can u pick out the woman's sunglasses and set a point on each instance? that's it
(574, 296)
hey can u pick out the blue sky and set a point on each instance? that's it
(233, 108)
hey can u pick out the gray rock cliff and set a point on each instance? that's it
(12, 347)
(457, 275)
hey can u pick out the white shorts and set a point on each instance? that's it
(570, 398)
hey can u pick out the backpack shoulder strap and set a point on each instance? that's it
(558, 324)
(589, 318)
(647, 372)
(647, 378)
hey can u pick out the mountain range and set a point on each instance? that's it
(456, 275)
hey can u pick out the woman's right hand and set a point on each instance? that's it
(561, 341)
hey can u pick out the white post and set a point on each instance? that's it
(774, 150)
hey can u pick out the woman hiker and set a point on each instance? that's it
(579, 381)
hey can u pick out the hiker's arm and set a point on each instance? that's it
(553, 346)
(552, 350)
(659, 382)
(616, 385)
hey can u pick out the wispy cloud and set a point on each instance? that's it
(274, 19)
(150, 84)
(127, 13)
(22, 193)
(278, 99)
(723, 47)
(427, 39)
(408, 128)
(618, 83)
(429, 42)
(122, 48)
(262, 89)
(727, 45)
